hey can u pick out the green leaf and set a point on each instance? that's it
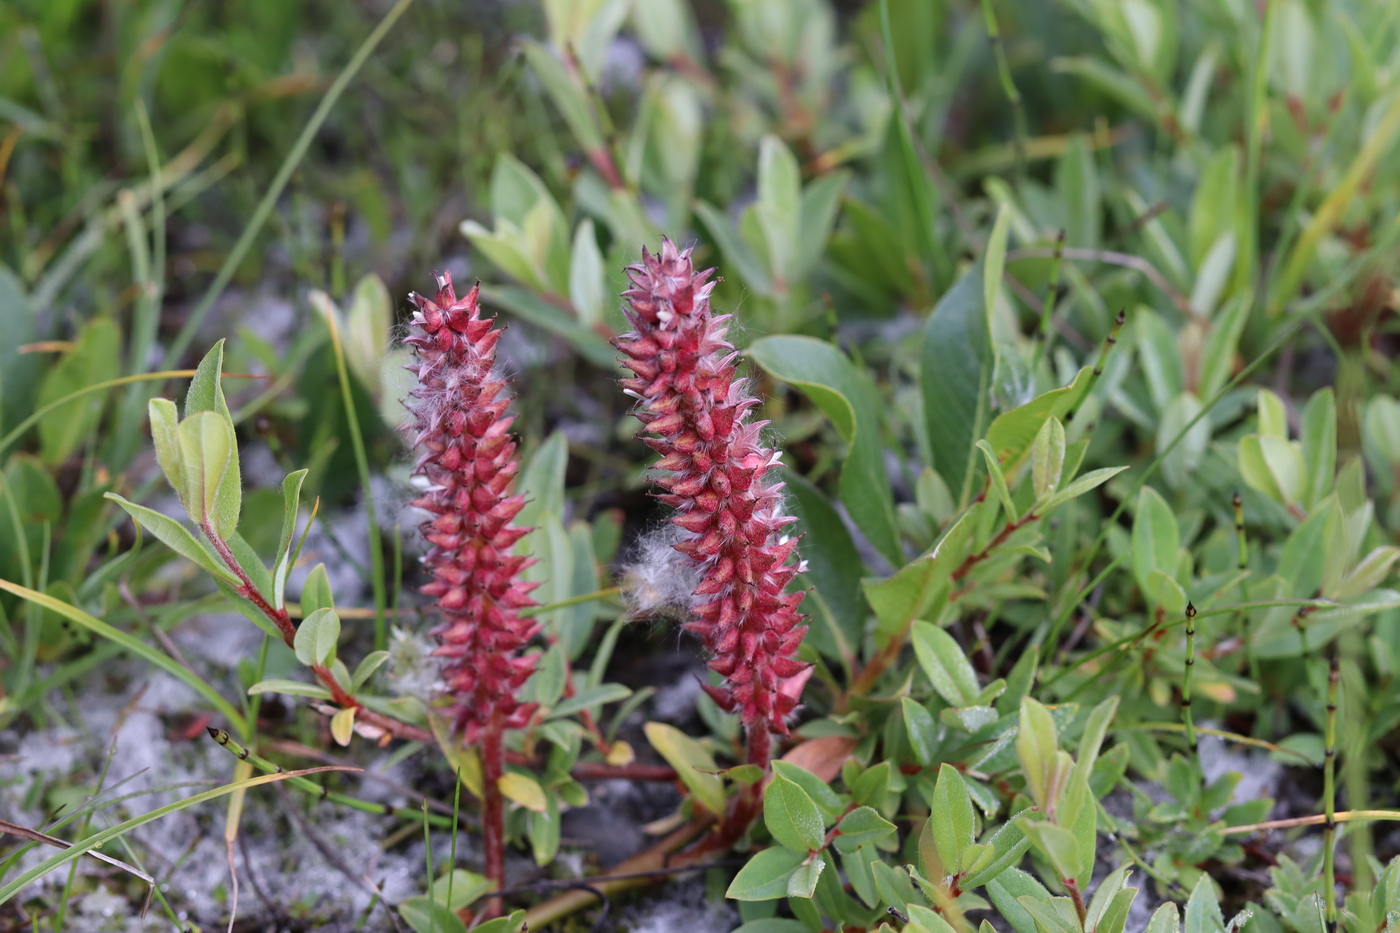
(282, 566)
(544, 829)
(535, 310)
(1203, 908)
(694, 766)
(206, 443)
(1285, 465)
(1180, 464)
(1218, 359)
(588, 698)
(871, 787)
(524, 790)
(909, 593)
(1036, 747)
(176, 537)
(587, 278)
(1057, 844)
(1165, 593)
(861, 827)
(894, 885)
(316, 591)
(827, 800)
(994, 260)
(1319, 443)
(1047, 918)
(366, 330)
(1012, 433)
(1004, 892)
(820, 202)
(945, 665)
(838, 613)
(18, 371)
(845, 395)
(571, 99)
(93, 359)
(736, 252)
(1165, 919)
(1086, 483)
(1214, 202)
(803, 882)
(1108, 888)
(1008, 844)
(955, 379)
(291, 688)
(928, 921)
(165, 425)
(998, 481)
(766, 924)
(542, 480)
(792, 817)
(779, 207)
(317, 638)
(1156, 538)
(206, 391)
(515, 923)
(366, 668)
(1077, 183)
(922, 729)
(766, 875)
(951, 817)
(1368, 573)
(1047, 458)
(424, 915)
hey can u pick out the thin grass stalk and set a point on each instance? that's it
(428, 862)
(1245, 372)
(1329, 793)
(319, 791)
(1130, 641)
(452, 858)
(1247, 258)
(99, 839)
(1008, 86)
(1242, 564)
(1052, 295)
(1186, 682)
(279, 183)
(1113, 333)
(149, 272)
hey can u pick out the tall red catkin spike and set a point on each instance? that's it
(467, 455)
(696, 415)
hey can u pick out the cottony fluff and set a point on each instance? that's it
(467, 455)
(696, 415)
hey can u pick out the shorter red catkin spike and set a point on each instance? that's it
(467, 455)
(696, 415)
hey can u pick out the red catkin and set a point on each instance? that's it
(696, 415)
(467, 455)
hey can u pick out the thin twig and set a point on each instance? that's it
(1115, 258)
(1344, 816)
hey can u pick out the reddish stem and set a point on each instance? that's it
(283, 621)
(246, 589)
(593, 771)
(866, 679)
(760, 745)
(493, 829)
